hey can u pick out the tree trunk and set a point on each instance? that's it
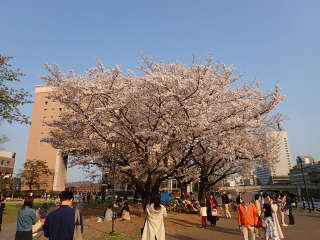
(183, 189)
(148, 192)
(203, 190)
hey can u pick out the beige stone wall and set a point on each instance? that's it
(45, 110)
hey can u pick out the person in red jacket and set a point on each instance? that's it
(247, 217)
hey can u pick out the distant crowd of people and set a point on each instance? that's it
(259, 216)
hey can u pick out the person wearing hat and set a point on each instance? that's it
(247, 217)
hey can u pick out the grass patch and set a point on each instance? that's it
(10, 212)
(110, 236)
(114, 236)
(12, 208)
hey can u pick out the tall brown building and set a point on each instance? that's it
(44, 110)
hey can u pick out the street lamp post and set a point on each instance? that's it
(113, 192)
(305, 185)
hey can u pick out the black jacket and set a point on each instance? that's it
(225, 199)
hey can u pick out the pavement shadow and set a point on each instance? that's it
(185, 223)
(310, 215)
(230, 231)
(180, 237)
(181, 223)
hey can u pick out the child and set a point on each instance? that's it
(203, 214)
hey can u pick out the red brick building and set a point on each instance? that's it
(83, 187)
(7, 160)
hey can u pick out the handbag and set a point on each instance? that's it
(37, 226)
(214, 212)
(262, 223)
(77, 234)
(287, 207)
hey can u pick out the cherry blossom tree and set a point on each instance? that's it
(237, 151)
(153, 125)
(185, 175)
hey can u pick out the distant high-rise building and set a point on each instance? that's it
(305, 160)
(306, 168)
(43, 110)
(278, 172)
(263, 176)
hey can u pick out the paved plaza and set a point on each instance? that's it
(186, 227)
(307, 227)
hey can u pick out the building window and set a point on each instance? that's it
(60, 109)
(174, 184)
(46, 102)
(45, 109)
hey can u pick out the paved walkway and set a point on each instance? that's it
(307, 227)
(8, 231)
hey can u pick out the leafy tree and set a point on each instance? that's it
(11, 99)
(35, 173)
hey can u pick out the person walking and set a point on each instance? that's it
(25, 219)
(154, 224)
(212, 211)
(226, 201)
(259, 206)
(276, 224)
(282, 203)
(288, 208)
(64, 222)
(247, 217)
(239, 198)
(203, 214)
(271, 233)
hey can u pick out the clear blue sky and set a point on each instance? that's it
(274, 41)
